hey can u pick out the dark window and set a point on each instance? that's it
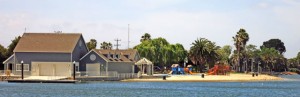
(110, 60)
(127, 56)
(105, 55)
(116, 59)
(117, 56)
(121, 60)
(130, 59)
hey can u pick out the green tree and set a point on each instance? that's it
(269, 56)
(106, 45)
(240, 41)
(202, 51)
(145, 37)
(12, 45)
(92, 44)
(2, 56)
(251, 54)
(276, 44)
(160, 52)
(224, 53)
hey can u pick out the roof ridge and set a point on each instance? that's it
(48, 33)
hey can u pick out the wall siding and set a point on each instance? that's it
(87, 60)
(41, 57)
(120, 67)
(79, 51)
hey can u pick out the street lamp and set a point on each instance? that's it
(74, 63)
(258, 66)
(22, 69)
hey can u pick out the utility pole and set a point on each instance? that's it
(128, 36)
(117, 45)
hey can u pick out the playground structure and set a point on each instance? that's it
(176, 69)
(219, 69)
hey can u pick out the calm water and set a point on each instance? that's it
(287, 88)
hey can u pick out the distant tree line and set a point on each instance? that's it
(7, 52)
(204, 54)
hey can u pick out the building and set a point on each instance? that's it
(53, 54)
(121, 61)
(47, 54)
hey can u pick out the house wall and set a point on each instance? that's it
(120, 67)
(87, 60)
(10, 60)
(41, 57)
(80, 50)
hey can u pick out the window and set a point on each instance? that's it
(77, 67)
(26, 67)
(117, 56)
(127, 56)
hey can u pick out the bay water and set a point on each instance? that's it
(290, 87)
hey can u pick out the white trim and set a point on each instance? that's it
(86, 55)
(25, 65)
(8, 58)
(96, 53)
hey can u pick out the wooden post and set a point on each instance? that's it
(74, 71)
(22, 69)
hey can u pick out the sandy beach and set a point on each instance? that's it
(209, 78)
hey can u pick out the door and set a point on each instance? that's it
(93, 69)
(62, 69)
(46, 69)
(10, 66)
(51, 68)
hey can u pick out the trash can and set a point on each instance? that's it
(256, 74)
(202, 75)
(253, 74)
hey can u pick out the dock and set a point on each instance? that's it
(41, 81)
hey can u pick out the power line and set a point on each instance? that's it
(117, 45)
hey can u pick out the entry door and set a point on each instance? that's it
(10, 66)
(93, 69)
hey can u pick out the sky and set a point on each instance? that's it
(178, 21)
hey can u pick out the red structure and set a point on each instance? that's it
(219, 70)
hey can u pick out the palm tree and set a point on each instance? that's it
(145, 37)
(202, 51)
(269, 56)
(240, 40)
(106, 45)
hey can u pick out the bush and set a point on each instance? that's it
(294, 70)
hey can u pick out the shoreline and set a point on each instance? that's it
(210, 78)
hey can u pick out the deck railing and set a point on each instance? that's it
(108, 74)
(114, 74)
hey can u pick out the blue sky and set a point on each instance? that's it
(179, 21)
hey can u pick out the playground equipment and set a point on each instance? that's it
(176, 69)
(219, 69)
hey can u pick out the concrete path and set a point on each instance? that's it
(45, 77)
